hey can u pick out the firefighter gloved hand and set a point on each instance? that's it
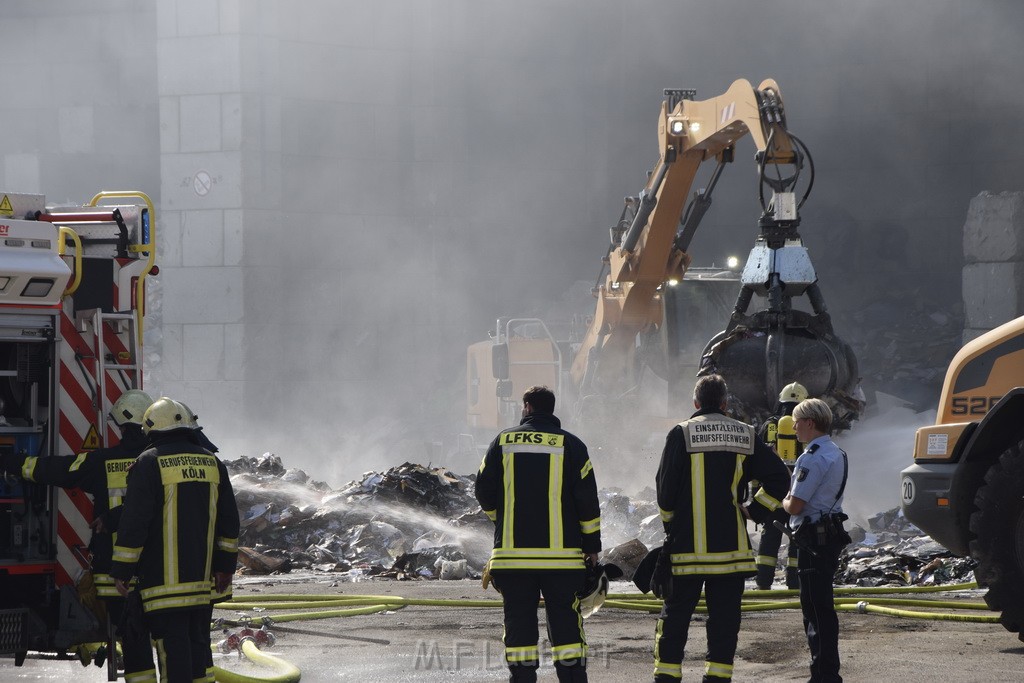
(486, 579)
(757, 513)
(221, 581)
(132, 625)
(661, 578)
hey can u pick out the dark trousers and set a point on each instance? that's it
(182, 639)
(820, 621)
(723, 595)
(768, 550)
(136, 646)
(520, 594)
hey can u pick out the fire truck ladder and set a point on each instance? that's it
(114, 323)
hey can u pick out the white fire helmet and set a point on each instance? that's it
(130, 407)
(190, 417)
(594, 591)
(165, 415)
(793, 393)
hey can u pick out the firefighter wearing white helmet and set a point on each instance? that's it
(102, 473)
(166, 415)
(180, 525)
(779, 432)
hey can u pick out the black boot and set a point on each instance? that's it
(765, 577)
(792, 578)
(571, 672)
(522, 674)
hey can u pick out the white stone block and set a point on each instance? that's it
(233, 237)
(200, 123)
(199, 65)
(202, 295)
(170, 125)
(168, 239)
(201, 181)
(166, 18)
(202, 237)
(202, 352)
(171, 354)
(231, 122)
(993, 293)
(21, 173)
(76, 129)
(198, 18)
(230, 16)
(994, 229)
(234, 351)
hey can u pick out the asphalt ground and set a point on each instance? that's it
(454, 643)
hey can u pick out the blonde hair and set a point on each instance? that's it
(817, 411)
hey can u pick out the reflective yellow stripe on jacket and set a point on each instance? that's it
(555, 556)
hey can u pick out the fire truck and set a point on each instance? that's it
(72, 293)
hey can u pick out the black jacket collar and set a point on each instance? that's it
(541, 421)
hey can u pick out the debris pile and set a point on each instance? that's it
(415, 521)
(892, 551)
(408, 521)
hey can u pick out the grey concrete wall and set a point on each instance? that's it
(78, 110)
(993, 277)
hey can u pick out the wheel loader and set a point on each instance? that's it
(966, 486)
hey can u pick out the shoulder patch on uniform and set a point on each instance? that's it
(802, 474)
(813, 447)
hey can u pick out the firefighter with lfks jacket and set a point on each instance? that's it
(179, 536)
(706, 462)
(779, 432)
(101, 473)
(537, 485)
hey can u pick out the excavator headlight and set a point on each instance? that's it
(677, 126)
(695, 126)
(673, 282)
(732, 262)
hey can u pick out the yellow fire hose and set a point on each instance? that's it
(754, 601)
(282, 671)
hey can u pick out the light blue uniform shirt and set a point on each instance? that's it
(817, 478)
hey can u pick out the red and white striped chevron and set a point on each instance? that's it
(83, 412)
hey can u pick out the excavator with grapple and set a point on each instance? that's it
(641, 316)
(966, 486)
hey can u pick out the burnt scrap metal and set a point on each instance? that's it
(421, 522)
(892, 551)
(410, 521)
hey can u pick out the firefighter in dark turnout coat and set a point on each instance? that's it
(537, 485)
(707, 461)
(101, 473)
(179, 536)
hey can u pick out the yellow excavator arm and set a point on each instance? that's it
(650, 253)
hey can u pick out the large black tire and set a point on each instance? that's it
(998, 545)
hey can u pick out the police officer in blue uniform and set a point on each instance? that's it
(815, 503)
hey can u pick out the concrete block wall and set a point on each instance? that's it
(213, 164)
(993, 274)
(78, 109)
